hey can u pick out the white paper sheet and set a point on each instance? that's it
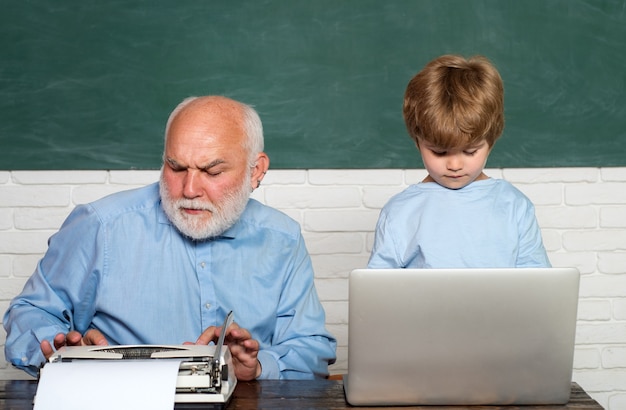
(108, 384)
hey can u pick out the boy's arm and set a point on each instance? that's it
(532, 253)
(384, 251)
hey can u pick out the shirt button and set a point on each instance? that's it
(207, 305)
(202, 265)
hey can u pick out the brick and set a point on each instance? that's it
(377, 197)
(5, 177)
(613, 174)
(34, 195)
(552, 240)
(40, 218)
(585, 262)
(143, 177)
(594, 240)
(338, 266)
(6, 219)
(614, 357)
(313, 197)
(295, 214)
(25, 265)
(566, 217)
(334, 243)
(594, 310)
(59, 177)
(598, 194)
(340, 220)
(619, 309)
(602, 286)
(4, 305)
(617, 401)
(89, 193)
(24, 242)
(539, 175)
(10, 288)
(369, 242)
(356, 177)
(612, 262)
(586, 358)
(613, 217)
(336, 312)
(332, 289)
(414, 176)
(285, 177)
(543, 194)
(601, 380)
(6, 263)
(602, 333)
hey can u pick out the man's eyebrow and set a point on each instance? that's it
(213, 164)
(210, 165)
(173, 162)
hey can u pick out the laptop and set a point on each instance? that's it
(461, 336)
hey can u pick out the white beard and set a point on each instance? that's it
(197, 227)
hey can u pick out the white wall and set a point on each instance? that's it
(582, 212)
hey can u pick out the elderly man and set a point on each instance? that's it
(164, 264)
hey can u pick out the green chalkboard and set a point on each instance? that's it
(89, 84)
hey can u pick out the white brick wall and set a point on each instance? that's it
(582, 212)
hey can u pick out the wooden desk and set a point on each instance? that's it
(277, 394)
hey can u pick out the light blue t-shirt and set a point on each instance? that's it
(118, 265)
(488, 223)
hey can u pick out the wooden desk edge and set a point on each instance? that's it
(286, 394)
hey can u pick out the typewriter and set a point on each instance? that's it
(205, 375)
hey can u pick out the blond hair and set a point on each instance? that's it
(455, 102)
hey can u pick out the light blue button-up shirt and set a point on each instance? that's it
(118, 265)
(487, 224)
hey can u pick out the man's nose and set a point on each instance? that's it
(191, 184)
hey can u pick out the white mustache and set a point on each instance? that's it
(197, 205)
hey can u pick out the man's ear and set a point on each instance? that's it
(261, 166)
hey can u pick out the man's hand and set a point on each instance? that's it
(73, 338)
(243, 349)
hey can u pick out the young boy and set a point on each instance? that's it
(457, 216)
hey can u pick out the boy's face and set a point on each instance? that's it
(454, 168)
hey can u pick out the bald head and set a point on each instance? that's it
(214, 109)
